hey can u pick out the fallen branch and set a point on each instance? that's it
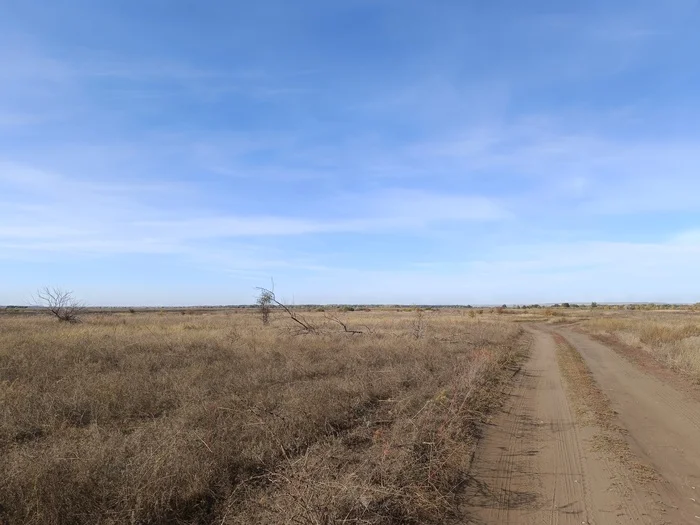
(269, 297)
(341, 323)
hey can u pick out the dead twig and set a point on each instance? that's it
(341, 323)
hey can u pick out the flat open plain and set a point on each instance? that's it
(374, 415)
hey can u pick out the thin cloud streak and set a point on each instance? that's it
(467, 151)
(102, 224)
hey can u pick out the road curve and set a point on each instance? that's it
(663, 424)
(538, 464)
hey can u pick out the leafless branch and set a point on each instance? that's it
(268, 297)
(341, 323)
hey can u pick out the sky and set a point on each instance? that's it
(171, 152)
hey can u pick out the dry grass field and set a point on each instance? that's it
(214, 418)
(672, 337)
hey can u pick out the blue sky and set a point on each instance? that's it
(363, 151)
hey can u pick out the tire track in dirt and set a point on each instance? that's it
(662, 426)
(601, 432)
(528, 468)
(538, 464)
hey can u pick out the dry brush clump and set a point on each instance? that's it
(673, 338)
(60, 303)
(164, 418)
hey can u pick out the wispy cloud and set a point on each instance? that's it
(455, 152)
(118, 218)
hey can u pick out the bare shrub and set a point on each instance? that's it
(264, 302)
(418, 324)
(61, 303)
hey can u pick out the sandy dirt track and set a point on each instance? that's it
(540, 461)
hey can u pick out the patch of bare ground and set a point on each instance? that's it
(167, 417)
(593, 408)
(555, 453)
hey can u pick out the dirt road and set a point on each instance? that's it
(543, 460)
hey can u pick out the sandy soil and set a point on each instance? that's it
(662, 424)
(573, 446)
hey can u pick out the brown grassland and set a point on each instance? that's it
(165, 417)
(671, 337)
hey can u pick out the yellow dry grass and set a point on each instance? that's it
(672, 337)
(168, 418)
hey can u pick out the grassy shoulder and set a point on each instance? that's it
(673, 339)
(181, 418)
